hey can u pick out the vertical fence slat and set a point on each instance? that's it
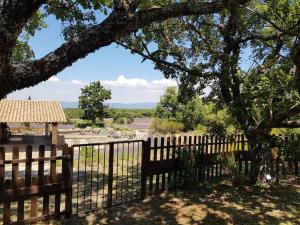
(151, 176)
(145, 161)
(244, 152)
(53, 164)
(179, 155)
(215, 158)
(110, 174)
(15, 182)
(15, 168)
(238, 148)
(162, 149)
(68, 177)
(168, 158)
(41, 165)
(155, 160)
(46, 197)
(194, 154)
(57, 198)
(174, 141)
(7, 204)
(34, 199)
(2, 168)
(28, 166)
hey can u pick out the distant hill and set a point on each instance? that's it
(69, 105)
(140, 105)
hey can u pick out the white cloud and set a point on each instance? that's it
(77, 82)
(124, 90)
(54, 79)
(122, 81)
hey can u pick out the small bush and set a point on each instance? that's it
(166, 126)
(123, 118)
(228, 161)
(217, 128)
(188, 162)
(201, 129)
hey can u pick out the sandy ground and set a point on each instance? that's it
(214, 204)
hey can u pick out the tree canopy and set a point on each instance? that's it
(92, 100)
(87, 26)
(190, 114)
(249, 55)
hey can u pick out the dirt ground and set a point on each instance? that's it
(210, 204)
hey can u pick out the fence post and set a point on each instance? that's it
(110, 174)
(145, 158)
(67, 175)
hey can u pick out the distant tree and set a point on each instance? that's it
(92, 100)
(190, 113)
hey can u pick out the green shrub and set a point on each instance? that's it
(216, 128)
(201, 129)
(75, 113)
(230, 165)
(111, 112)
(123, 118)
(166, 126)
(188, 163)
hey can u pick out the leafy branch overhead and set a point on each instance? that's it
(87, 26)
(248, 55)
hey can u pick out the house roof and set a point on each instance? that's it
(21, 111)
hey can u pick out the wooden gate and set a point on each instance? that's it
(106, 174)
(30, 192)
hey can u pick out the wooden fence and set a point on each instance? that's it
(107, 174)
(27, 194)
(163, 160)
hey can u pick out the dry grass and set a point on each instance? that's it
(214, 204)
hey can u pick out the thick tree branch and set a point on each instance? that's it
(288, 124)
(277, 120)
(297, 69)
(117, 25)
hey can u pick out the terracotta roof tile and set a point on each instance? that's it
(21, 111)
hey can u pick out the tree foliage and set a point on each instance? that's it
(193, 114)
(190, 114)
(87, 25)
(92, 100)
(249, 55)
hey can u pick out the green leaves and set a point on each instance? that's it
(190, 114)
(92, 100)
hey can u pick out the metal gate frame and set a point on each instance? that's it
(107, 174)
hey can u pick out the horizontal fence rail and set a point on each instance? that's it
(34, 188)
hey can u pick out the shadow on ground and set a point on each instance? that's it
(212, 204)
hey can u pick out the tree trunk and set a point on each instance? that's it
(260, 148)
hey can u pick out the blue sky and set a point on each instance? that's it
(130, 80)
(123, 73)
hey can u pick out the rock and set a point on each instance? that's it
(88, 129)
(97, 130)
